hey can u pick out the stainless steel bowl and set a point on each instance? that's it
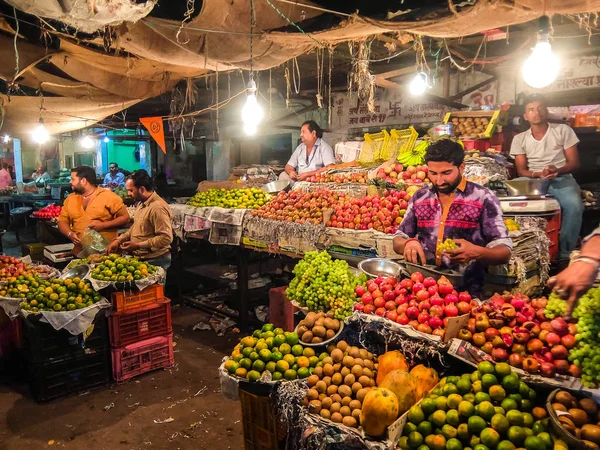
(527, 186)
(444, 129)
(79, 271)
(276, 186)
(374, 267)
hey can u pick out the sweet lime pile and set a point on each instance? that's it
(118, 269)
(51, 295)
(251, 198)
(490, 409)
(271, 350)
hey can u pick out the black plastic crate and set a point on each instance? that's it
(44, 344)
(52, 380)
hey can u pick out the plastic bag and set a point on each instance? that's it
(92, 242)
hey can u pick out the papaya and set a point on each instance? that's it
(379, 411)
(426, 379)
(390, 361)
(404, 386)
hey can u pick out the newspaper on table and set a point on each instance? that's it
(11, 306)
(484, 170)
(75, 322)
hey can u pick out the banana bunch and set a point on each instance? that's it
(414, 156)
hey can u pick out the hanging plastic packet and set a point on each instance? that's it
(92, 242)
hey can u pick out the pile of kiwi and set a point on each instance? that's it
(470, 127)
(340, 383)
(580, 417)
(318, 327)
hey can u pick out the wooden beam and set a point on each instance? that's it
(472, 88)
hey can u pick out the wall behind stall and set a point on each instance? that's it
(124, 154)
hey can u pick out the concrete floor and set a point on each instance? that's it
(122, 416)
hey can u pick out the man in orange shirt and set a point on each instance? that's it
(90, 206)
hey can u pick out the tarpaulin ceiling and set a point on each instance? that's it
(148, 56)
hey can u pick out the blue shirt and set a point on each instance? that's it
(119, 179)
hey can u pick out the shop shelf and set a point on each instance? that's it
(141, 357)
(125, 300)
(262, 429)
(43, 344)
(52, 380)
(142, 323)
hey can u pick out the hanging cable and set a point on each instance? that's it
(329, 103)
(15, 43)
(296, 70)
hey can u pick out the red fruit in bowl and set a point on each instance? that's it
(547, 369)
(390, 306)
(417, 277)
(531, 365)
(515, 360)
(552, 339)
(559, 352)
(546, 326)
(479, 339)
(401, 300)
(360, 290)
(572, 329)
(500, 355)
(412, 312)
(450, 298)
(450, 310)
(406, 283)
(491, 333)
(464, 297)
(518, 348)
(445, 289)
(424, 328)
(534, 345)
(464, 308)
(390, 280)
(399, 291)
(392, 315)
(379, 302)
(369, 308)
(560, 326)
(435, 322)
(423, 317)
(418, 287)
(429, 282)
(386, 287)
(414, 323)
(424, 306)
(422, 295)
(389, 296)
(412, 302)
(439, 332)
(402, 319)
(487, 348)
(432, 290)
(377, 294)
(366, 298)
(401, 309)
(372, 287)
(561, 366)
(436, 311)
(568, 340)
(359, 307)
(379, 280)
(575, 371)
(436, 300)
(380, 312)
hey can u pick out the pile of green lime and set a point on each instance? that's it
(272, 350)
(51, 295)
(119, 269)
(490, 409)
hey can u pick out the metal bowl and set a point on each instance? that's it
(276, 186)
(79, 271)
(444, 129)
(374, 267)
(527, 186)
(434, 271)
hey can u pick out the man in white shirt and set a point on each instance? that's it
(312, 155)
(549, 151)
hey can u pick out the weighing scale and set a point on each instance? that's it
(529, 205)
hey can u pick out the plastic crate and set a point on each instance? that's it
(43, 344)
(126, 300)
(401, 141)
(141, 357)
(553, 232)
(262, 429)
(281, 310)
(476, 144)
(138, 324)
(52, 380)
(375, 145)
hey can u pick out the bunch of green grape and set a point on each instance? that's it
(324, 284)
(448, 244)
(586, 353)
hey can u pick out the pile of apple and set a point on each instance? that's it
(514, 329)
(380, 213)
(48, 212)
(409, 175)
(423, 303)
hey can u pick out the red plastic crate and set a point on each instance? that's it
(281, 310)
(123, 301)
(142, 323)
(553, 233)
(476, 144)
(141, 357)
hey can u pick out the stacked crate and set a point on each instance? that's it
(141, 332)
(59, 363)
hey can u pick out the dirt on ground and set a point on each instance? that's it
(125, 416)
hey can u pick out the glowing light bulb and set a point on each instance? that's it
(418, 85)
(106, 140)
(252, 113)
(87, 142)
(6, 139)
(40, 134)
(542, 66)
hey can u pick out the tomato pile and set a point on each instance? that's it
(48, 212)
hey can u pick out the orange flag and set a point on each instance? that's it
(155, 126)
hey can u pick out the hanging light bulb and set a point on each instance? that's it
(106, 140)
(6, 139)
(542, 66)
(40, 134)
(418, 85)
(252, 113)
(87, 142)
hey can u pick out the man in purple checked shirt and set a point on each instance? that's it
(454, 208)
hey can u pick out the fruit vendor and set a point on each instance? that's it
(114, 177)
(311, 156)
(457, 209)
(576, 279)
(549, 151)
(90, 206)
(149, 238)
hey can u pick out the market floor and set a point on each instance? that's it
(124, 416)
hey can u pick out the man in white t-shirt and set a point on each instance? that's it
(310, 157)
(549, 151)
